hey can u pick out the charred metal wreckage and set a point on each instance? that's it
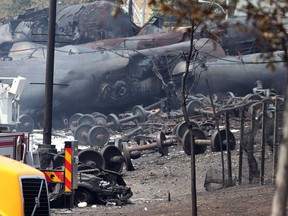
(94, 186)
(84, 83)
(117, 141)
(110, 143)
(102, 68)
(162, 130)
(114, 141)
(81, 23)
(107, 67)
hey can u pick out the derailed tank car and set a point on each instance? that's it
(87, 81)
(80, 23)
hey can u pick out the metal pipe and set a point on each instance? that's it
(155, 105)
(229, 163)
(275, 141)
(263, 140)
(143, 147)
(218, 129)
(153, 145)
(202, 142)
(241, 147)
(250, 147)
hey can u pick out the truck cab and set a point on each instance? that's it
(23, 189)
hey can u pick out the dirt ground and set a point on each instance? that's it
(162, 186)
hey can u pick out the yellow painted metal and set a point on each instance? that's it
(11, 202)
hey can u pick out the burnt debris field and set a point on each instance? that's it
(152, 157)
(131, 106)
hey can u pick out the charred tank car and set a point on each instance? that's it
(80, 23)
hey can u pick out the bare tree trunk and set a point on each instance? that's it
(280, 195)
(191, 55)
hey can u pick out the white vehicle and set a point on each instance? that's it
(11, 89)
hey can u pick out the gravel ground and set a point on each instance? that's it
(161, 186)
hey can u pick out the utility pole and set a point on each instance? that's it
(45, 149)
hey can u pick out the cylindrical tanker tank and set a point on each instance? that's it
(237, 74)
(87, 80)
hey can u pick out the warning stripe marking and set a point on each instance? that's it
(68, 169)
(52, 176)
